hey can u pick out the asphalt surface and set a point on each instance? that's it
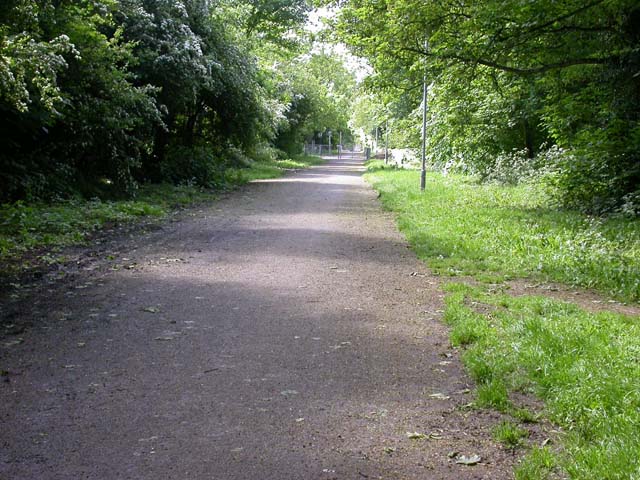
(284, 332)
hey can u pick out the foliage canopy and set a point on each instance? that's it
(97, 96)
(515, 75)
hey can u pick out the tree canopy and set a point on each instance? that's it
(99, 95)
(558, 81)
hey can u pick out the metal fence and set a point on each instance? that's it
(322, 149)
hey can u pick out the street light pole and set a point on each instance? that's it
(423, 172)
(386, 141)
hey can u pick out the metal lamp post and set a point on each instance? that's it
(423, 172)
(386, 142)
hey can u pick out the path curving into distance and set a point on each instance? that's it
(283, 332)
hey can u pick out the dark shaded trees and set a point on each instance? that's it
(99, 95)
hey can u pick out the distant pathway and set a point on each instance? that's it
(284, 332)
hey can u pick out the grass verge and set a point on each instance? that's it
(584, 366)
(495, 233)
(271, 169)
(25, 227)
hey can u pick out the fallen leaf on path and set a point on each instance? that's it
(286, 393)
(469, 461)
(167, 336)
(416, 435)
(151, 309)
(440, 396)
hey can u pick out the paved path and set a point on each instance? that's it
(284, 332)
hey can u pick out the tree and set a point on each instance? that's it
(318, 90)
(78, 119)
(566, 72)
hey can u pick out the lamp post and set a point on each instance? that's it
(423, 172)
(329, 134)
(386, 141)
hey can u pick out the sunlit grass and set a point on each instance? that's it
(585, 366)
(270, 169)
(495, 232)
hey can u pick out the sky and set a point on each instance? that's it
(315, 24)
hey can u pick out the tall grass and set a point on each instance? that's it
(498, 232)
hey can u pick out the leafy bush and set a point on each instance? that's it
(591, 181)
(511, 168)
(196, 165)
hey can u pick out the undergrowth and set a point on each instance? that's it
(24, 227)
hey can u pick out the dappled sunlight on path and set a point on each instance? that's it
(284, 332)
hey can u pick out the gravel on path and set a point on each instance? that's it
(285, 331)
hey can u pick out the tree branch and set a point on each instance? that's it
(516, 70)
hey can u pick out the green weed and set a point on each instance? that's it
(493, 394)
(509, 434)
(538, 465)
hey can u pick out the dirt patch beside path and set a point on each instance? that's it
(276, 334)
(590, 301)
